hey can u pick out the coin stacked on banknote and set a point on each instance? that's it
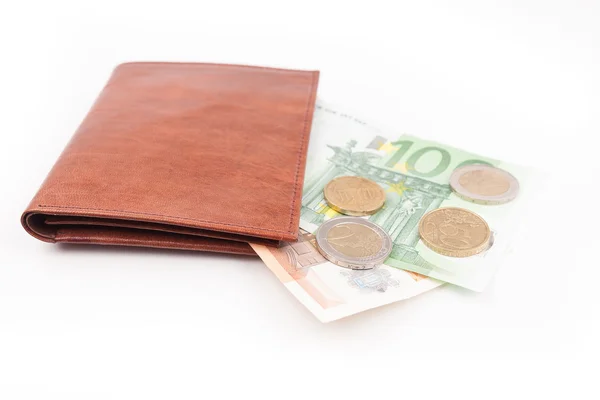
(454, 232)
(484, 184)
(353, 242)
(354, 195)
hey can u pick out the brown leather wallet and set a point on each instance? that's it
(183, 156)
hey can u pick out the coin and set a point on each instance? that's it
(353, 242)
(354, 195)
(454, 232)
(484, 184)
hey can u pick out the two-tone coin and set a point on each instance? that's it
(454, 232)
(354, 195)
(353, 242)
(484, 184)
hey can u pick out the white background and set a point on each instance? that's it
(515, 80)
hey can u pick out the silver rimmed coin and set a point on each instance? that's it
(353, 242)
(484, 184)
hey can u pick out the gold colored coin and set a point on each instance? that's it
(454, 232)
(354, 195)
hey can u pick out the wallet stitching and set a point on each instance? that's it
(162, 242)
(291, 71)
(162, 215)
(297, 173)
(300, 152)
(206, 246)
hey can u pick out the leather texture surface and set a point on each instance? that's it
(183, 155)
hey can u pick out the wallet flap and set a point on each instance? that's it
(204, 146)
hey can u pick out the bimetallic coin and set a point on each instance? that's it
(353, 242)
(353, 195)
(484, 184)
(454, 232)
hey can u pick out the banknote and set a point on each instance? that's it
(331, 292)
(415, 175)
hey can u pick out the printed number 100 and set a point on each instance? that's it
(411, 162)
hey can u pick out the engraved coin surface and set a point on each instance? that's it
(484, 184)
(354, 195)
(454, 232)
(353, 242)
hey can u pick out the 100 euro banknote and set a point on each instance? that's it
(415, 175)
(331, 292)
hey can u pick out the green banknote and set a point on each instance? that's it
(415, 175)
